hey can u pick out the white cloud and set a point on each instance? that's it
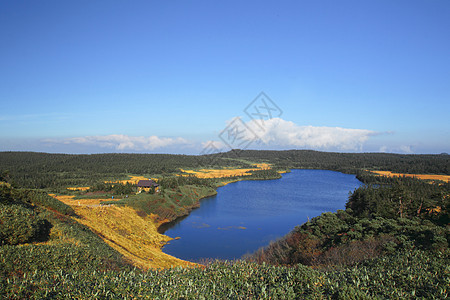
(275, 133)
(383, 148)
(280, 133)
(121, 142)
(405, 149)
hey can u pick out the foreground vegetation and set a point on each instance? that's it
(391, 241)
(405, 275)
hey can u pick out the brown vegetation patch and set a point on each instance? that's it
(444, 178)
(224, 173)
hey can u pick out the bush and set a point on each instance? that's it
(19, 225)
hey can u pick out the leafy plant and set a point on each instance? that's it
(19, 225)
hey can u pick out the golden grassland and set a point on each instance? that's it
(132, 235)
(132, 180)
(224, 173)
(444, 178)
(81, 188)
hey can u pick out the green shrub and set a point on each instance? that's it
(19, 225)
(406, 275)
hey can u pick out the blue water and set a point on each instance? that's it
(247, 215)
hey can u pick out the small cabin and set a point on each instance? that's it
(147, 185)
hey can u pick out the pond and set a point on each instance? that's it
(247, 215)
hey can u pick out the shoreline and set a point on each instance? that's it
(222, 184)
(171, 223)
(189, 209)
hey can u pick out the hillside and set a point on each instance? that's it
(122, 228)
(390, 242)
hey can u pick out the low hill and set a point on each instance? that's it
(390, 242)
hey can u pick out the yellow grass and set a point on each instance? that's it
(435, 210)
(418, 176)
(223, 173)
(81, 188)
(132, 180)
(123, 229)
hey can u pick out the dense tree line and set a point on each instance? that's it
(263, 174)
(176, 181)
(116, 188)
(403, 198)
(43, 170)
(348, 162)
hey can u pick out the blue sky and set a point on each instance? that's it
(170, 76)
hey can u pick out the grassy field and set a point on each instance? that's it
(133, 235)
(224, 173)
(444, 178)
(81, 188)
(132, 180)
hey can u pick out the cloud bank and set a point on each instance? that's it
(121, 142)
(279, 133)
(274, 134)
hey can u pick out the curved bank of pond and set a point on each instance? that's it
(247, 215)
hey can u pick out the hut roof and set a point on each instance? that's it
(147, 183)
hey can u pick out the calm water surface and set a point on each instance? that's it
(247, 215)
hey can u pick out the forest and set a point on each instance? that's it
(46, 171)
(390, 241)
(347, 162)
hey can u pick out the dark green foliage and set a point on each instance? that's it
(38, 258)
(264, 174)
(31, 198)
(404, 198)
(347, 162)
(115, 189)
(176, 181)
(405, 275)
(43, 170)
(5, 176)
(19, 224)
